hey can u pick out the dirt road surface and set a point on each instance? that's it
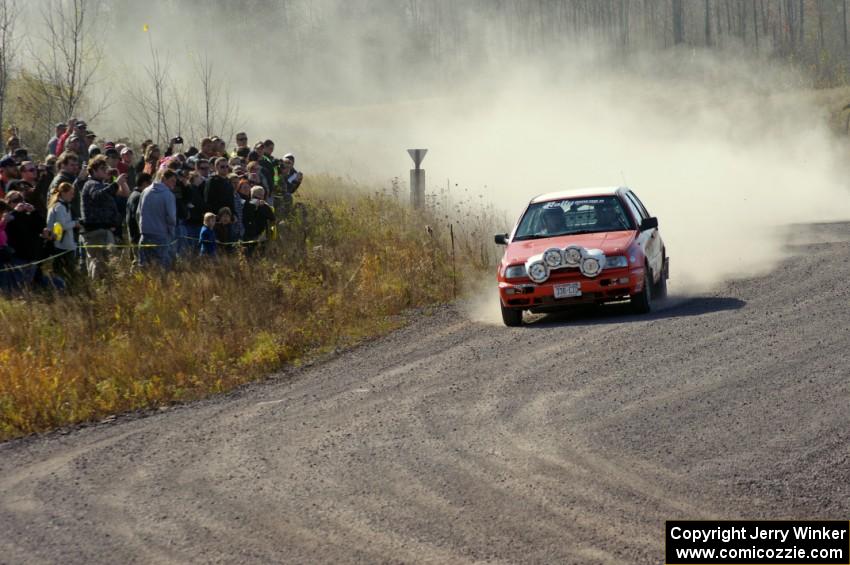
(569, 440)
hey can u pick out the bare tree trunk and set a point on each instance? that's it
(678, 22)
(8, 17)
(755, 26)
(218, 109)
(624, 23)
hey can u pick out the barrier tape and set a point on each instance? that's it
(121, 246)
(33, 264)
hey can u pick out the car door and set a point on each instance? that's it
(650, 240)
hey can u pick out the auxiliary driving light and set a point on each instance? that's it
(552, 257)
(593, 263)
(538, 272)
(573, 255)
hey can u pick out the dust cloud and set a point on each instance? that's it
(723, 148)
(724, 151)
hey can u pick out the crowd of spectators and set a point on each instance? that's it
(86, 202)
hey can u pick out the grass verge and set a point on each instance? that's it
(337, 274)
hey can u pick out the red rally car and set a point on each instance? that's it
(578, 247)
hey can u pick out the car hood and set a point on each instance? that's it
(611, 243)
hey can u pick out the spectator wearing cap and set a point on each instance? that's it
(63, 139)
(112, 157)
(8, 172)
(20, 155)
(54, 141)
(69, 171)
(28, 180)
(218, 191)
(158, 220)
(76, 142)
(100, 216)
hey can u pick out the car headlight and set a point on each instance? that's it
(592, 263)
(538, 272)
(616, 262)
(552, 257)
(573, 255)
(515, 272)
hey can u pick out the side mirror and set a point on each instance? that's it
(501, 239)
(649, 224)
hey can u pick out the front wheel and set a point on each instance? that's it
(642, 301)
(512, 316)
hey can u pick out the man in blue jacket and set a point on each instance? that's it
(158, 220)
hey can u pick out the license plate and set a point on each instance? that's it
(567, 290)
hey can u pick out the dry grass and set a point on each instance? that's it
(143, 340)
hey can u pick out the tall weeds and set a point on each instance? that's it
(338, 273)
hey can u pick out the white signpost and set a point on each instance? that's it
(417, 178)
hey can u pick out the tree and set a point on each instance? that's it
(8, 18)
(151, 101)
(678, 22)
(68, 60)
(218, 111)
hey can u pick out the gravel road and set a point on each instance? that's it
(569, 440)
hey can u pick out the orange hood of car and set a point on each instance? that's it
(611, 243)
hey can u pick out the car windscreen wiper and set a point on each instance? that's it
(579, 232)
(532, 236)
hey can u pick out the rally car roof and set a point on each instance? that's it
(579, 193)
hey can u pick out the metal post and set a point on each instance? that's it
(417, 178)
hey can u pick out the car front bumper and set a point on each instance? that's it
(611, 286)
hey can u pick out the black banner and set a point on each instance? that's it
(700, 542)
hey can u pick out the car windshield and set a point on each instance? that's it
(573, 216)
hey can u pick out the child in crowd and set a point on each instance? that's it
(60, 228)
(224, 225)
(207, 243)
